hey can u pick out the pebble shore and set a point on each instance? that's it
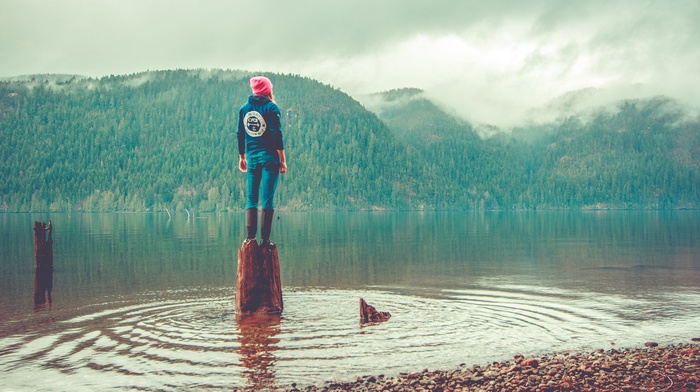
(649, 368)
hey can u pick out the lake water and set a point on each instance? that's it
(145, 301)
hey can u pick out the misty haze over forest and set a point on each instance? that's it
(502, 63)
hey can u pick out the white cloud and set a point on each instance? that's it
(494, 62)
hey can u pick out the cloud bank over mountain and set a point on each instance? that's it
(502, 62)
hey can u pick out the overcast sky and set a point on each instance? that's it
(495, 62)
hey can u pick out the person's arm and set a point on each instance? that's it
(240, 135)
(275, 128)
(283, 161)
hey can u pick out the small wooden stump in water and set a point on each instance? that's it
(43, 246)
(43, 264)
(258, 283)
(368, 314)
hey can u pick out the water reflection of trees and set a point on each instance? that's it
(258, 343)
(638, 249)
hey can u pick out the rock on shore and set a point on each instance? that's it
(651, 368)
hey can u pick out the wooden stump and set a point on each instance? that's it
(43, 264)
(368, 314)
(258, 283)
(43, 245)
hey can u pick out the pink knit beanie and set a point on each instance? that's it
(261, 86)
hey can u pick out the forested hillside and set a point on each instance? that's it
(166, 139)
(161, 140)
(460, 168)
(638, 154)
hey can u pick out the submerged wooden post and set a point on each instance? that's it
(43, 264)
(258, 283)
(368, 314)
(43, 245)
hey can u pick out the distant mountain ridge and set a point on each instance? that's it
(166, 140)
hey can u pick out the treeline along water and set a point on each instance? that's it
(165, 140)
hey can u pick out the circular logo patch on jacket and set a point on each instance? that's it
(254, 124)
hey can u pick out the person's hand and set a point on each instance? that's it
(283, 167)
(242, 165)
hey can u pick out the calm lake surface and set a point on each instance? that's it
(144, 301)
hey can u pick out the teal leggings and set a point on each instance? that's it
(262, 177)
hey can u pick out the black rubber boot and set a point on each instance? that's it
(251, 223)
(266, 228)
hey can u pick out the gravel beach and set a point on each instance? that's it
(648, 368)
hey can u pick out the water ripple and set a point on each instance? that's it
(192, 340)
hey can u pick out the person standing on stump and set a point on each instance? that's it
(261, 152)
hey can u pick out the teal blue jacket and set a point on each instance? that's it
(259, 130)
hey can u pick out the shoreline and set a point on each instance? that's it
(673, 367)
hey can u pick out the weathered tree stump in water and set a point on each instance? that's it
(368, 314)
(43, 245)
(258, 284)
(43, 264)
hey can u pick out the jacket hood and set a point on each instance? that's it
(258, 100)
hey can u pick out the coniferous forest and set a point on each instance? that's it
(166, 140)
